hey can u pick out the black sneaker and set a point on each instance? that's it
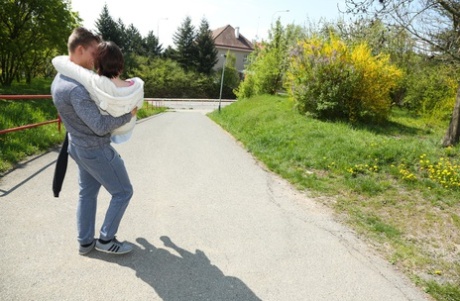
(114, 247)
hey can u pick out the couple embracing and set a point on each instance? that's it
(97, 108)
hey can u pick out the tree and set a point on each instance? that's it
(122, 35)
(207, 52)
(150, 45)
(30, 33)
(436, 25)
(130, 45)
(108, 28)
(128, 38)
(133, 42)
(170, 53)
(269, 62)
(186, 49)
(393, 40)
(278, 49)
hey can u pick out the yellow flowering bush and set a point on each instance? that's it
(332, 80)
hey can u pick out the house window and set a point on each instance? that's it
(245, 58)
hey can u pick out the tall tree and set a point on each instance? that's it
(123, 35)
(170, 53)
(127, 38)
(207, 52)
(31, 32)
(132, 40)
(186, 50)
(436, 25)
(108, 28)
(132, 46)
(151, 46)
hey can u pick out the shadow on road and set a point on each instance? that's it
(188, 277)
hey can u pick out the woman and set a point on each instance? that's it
(112, 94)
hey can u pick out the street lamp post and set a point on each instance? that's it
(279, 11)
(222, 80)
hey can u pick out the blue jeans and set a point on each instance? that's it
(100, 167)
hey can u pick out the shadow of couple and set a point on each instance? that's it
(188, 277)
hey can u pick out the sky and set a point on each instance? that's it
(253, 17)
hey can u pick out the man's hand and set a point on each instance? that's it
(134, 112)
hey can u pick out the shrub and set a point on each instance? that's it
(431, 92)
(268, 63)
(331, 80)
(165, 78)
(231, 81)
(246, 88)
(263, 74)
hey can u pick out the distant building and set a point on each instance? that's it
(230, 39)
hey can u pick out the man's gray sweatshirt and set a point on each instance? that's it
(86, 126)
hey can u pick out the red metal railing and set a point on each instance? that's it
(28, 126)
(157, 102)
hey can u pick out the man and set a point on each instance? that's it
(98, 162)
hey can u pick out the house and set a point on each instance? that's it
(230, 39)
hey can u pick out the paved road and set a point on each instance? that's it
(208, 223)
(191, 104)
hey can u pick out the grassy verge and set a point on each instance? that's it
(393, 183)
(16, 146)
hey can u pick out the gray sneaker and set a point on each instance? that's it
(85, 250)
(114, 247)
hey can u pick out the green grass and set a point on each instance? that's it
(16, 146)
(443, 292)
(149, 110)
(390, 182)
(37, 86)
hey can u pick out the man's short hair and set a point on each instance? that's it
(109, 59)
(81, 36)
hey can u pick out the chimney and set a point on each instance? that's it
(237, 32)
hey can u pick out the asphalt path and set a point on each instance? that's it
(208, 222)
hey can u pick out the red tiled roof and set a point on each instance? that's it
(225, 37)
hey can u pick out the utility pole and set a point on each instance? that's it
(222, 80)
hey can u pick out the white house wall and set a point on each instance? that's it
(240, 58)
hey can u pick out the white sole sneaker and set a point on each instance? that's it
(85, 250)
(114, 247)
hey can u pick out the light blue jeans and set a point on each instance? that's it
(100, 167)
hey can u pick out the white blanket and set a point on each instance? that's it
(110, 99)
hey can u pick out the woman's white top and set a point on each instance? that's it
(110, 99)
